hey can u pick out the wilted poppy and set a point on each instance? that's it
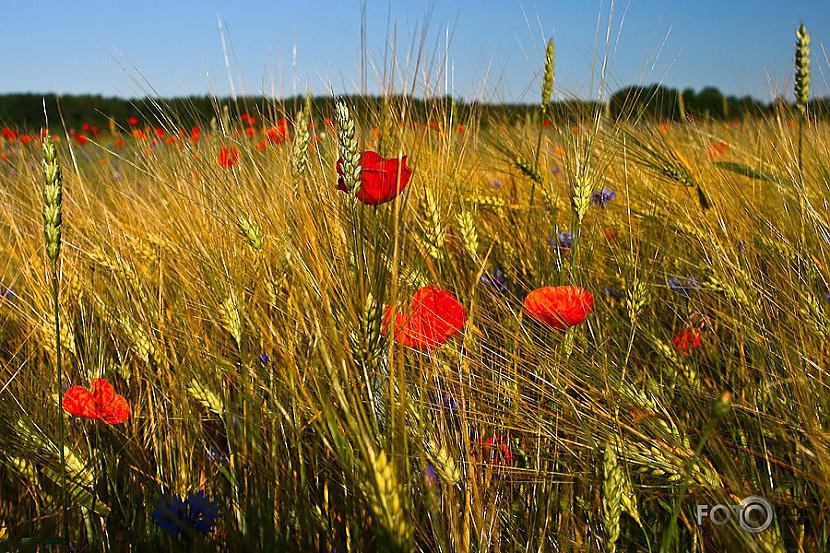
(379, 179)
(228, 156)
(101, 403)
(435, 316)
(559, 307)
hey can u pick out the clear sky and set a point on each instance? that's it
(174, 47)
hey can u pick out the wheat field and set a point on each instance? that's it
(222, 284)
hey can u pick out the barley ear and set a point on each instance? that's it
(52, 199)
(348, 149)
(52, 219)
(547, 82)
(802, 69)
(251, 231)
(299, 148)
(612, 503)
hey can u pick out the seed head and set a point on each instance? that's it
(802, 69)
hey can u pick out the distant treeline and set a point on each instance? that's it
(653, 102)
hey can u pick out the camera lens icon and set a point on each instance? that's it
(754, 514)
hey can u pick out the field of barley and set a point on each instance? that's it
(298, 328)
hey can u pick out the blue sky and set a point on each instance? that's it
(128, 48)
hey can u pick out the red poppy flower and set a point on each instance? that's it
(379, 182)
(133, 121)
(85, 127)
(119, 143)
(228, 157)
(496, 450)
(687, 340)
(102, 403)
(559, 307)
(435, 316)
(717, 149)
(159, 132)
(81, 139)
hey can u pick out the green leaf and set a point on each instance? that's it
(747, 171)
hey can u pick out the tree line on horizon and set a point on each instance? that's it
(653, 102)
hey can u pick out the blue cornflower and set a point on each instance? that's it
(555, 169)
(827, 296)
(496, 184)
(565, 241)
(602, 197)
(741, 246)
(184, 518)
(683, 285)
(446, 401)
(217, 456)
(613, 292)
(6, 293)
(430, 475)
(264, 358)
(495, 279)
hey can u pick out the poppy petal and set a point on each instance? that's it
(435, 317)
(79, 402)
(117, 411)
(559, 307)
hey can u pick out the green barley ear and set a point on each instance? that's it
(636, 299)
(612, 501)
(249, 229)
(52, 219)
(802, 69)
(443, 460)
(365, 342)
(52, 199)
(231, 318)
(581, 192)
(527, 169)
(347, 148)
(547, 82)
(386, 503)
(433, 230)
(299, 148)
(307, 106)
(469, 234)
(206, 398)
